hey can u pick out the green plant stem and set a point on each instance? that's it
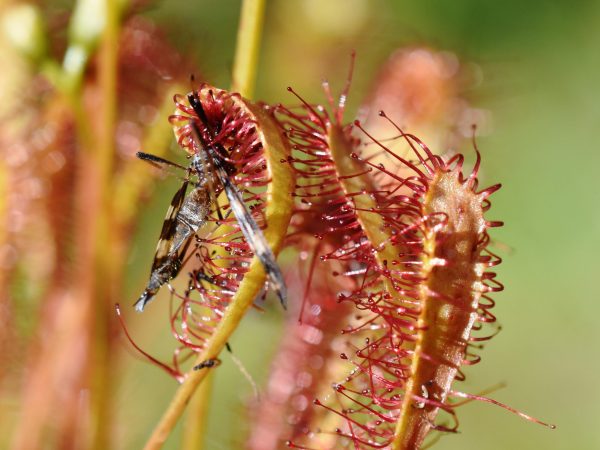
(245, 63)
(106, 280)
(195, 425)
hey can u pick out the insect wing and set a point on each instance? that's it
(163, 248)
(192, 215)
(254, 237)
(165, 262)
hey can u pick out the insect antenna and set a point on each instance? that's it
(164, 165)
(157, 161)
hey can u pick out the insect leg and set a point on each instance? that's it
(217, 206)
(256, 239)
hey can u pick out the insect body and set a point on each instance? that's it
(185, 216)
(190, 212)
(250, 229)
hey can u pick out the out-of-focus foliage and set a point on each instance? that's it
(535, 68)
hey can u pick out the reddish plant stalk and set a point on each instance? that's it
(412, 242)
(453, 270)
(420, 87)
(70, 361)
(302, 368)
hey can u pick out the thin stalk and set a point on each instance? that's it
(5, 312)
(196, 423)
(245, 64)
(106, 280)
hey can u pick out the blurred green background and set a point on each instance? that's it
(540, 75)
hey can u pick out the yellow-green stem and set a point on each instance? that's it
(106, 280)
(196, 422)
(4, 312)
(245, 64)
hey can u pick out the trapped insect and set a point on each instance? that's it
(188, 213)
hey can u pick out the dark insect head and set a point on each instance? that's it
(215, 150)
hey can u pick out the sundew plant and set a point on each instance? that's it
(368, 212)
